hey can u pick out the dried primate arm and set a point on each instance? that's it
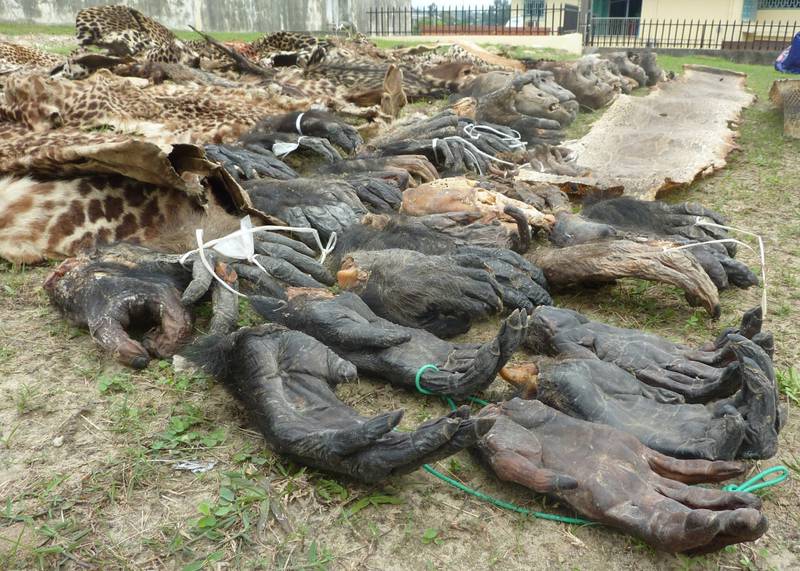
(611, 478)
(388, 351)
(606, 261)
(285, 378)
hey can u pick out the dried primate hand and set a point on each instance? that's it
(441, 294)
(260, 142)
(697, 375)
(385, 350)
(522, 284)
(108, 297)
(287, 263)
(285, 378)
(249, 163)
(312, 123)
(325, 205)
(743, 426)
(628, 218)
(610, 477)
(378, 194)
(407, 170)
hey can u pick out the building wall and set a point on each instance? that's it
(787, 15)
(213, 15)
(692, 9)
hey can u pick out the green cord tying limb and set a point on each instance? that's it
(757, 482)
(480, 495)
(505, 505)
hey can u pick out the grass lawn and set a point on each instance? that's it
(90, 451)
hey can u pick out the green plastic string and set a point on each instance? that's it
(418, 379)
(503, 504)
(480, 495)
(759, 481)
(422, 369)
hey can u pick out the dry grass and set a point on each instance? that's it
(88, 450)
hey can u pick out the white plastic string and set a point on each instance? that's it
(514, 141)
(470, 147)
(761, 253)
(475, 160)
(283, 148)
(246, 248)
(297, 124)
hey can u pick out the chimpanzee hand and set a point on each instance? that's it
(441, 294)
(287, 262)
(249, 163)
(108, 297)
(448, 155)
(610, 477)
(403, 168)
(328, 206)
(258, 141)
(648, 216)
(378, 194)
(684, 223)
(392, 352)
(284, 379)
(743, 426)
(523, 285)
(699, 376)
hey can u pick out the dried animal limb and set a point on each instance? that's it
(609, 260)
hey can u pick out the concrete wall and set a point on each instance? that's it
(692, 9)
(213, 15)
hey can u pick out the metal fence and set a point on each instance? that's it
(531, 20)
(689, 34)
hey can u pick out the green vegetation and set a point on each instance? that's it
(27, 28)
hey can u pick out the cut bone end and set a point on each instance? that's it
(522, 376)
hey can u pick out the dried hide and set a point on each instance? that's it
(680, 132)
(785, 94)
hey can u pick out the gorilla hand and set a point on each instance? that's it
(522, 284)
(249, 163)
(268, 140)
(441, 294)
(389, 351)
(743, 426)
(326, 205)
(312, 123)
(284, 379)
(287, 263)
(108, 297)
(610, 477)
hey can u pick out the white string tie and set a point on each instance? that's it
(240, 245)
(761, 253)
(513, 140)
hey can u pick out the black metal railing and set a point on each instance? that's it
(534, 19)
(689, 34)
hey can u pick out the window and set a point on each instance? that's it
(774, 5)
(749, 8)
